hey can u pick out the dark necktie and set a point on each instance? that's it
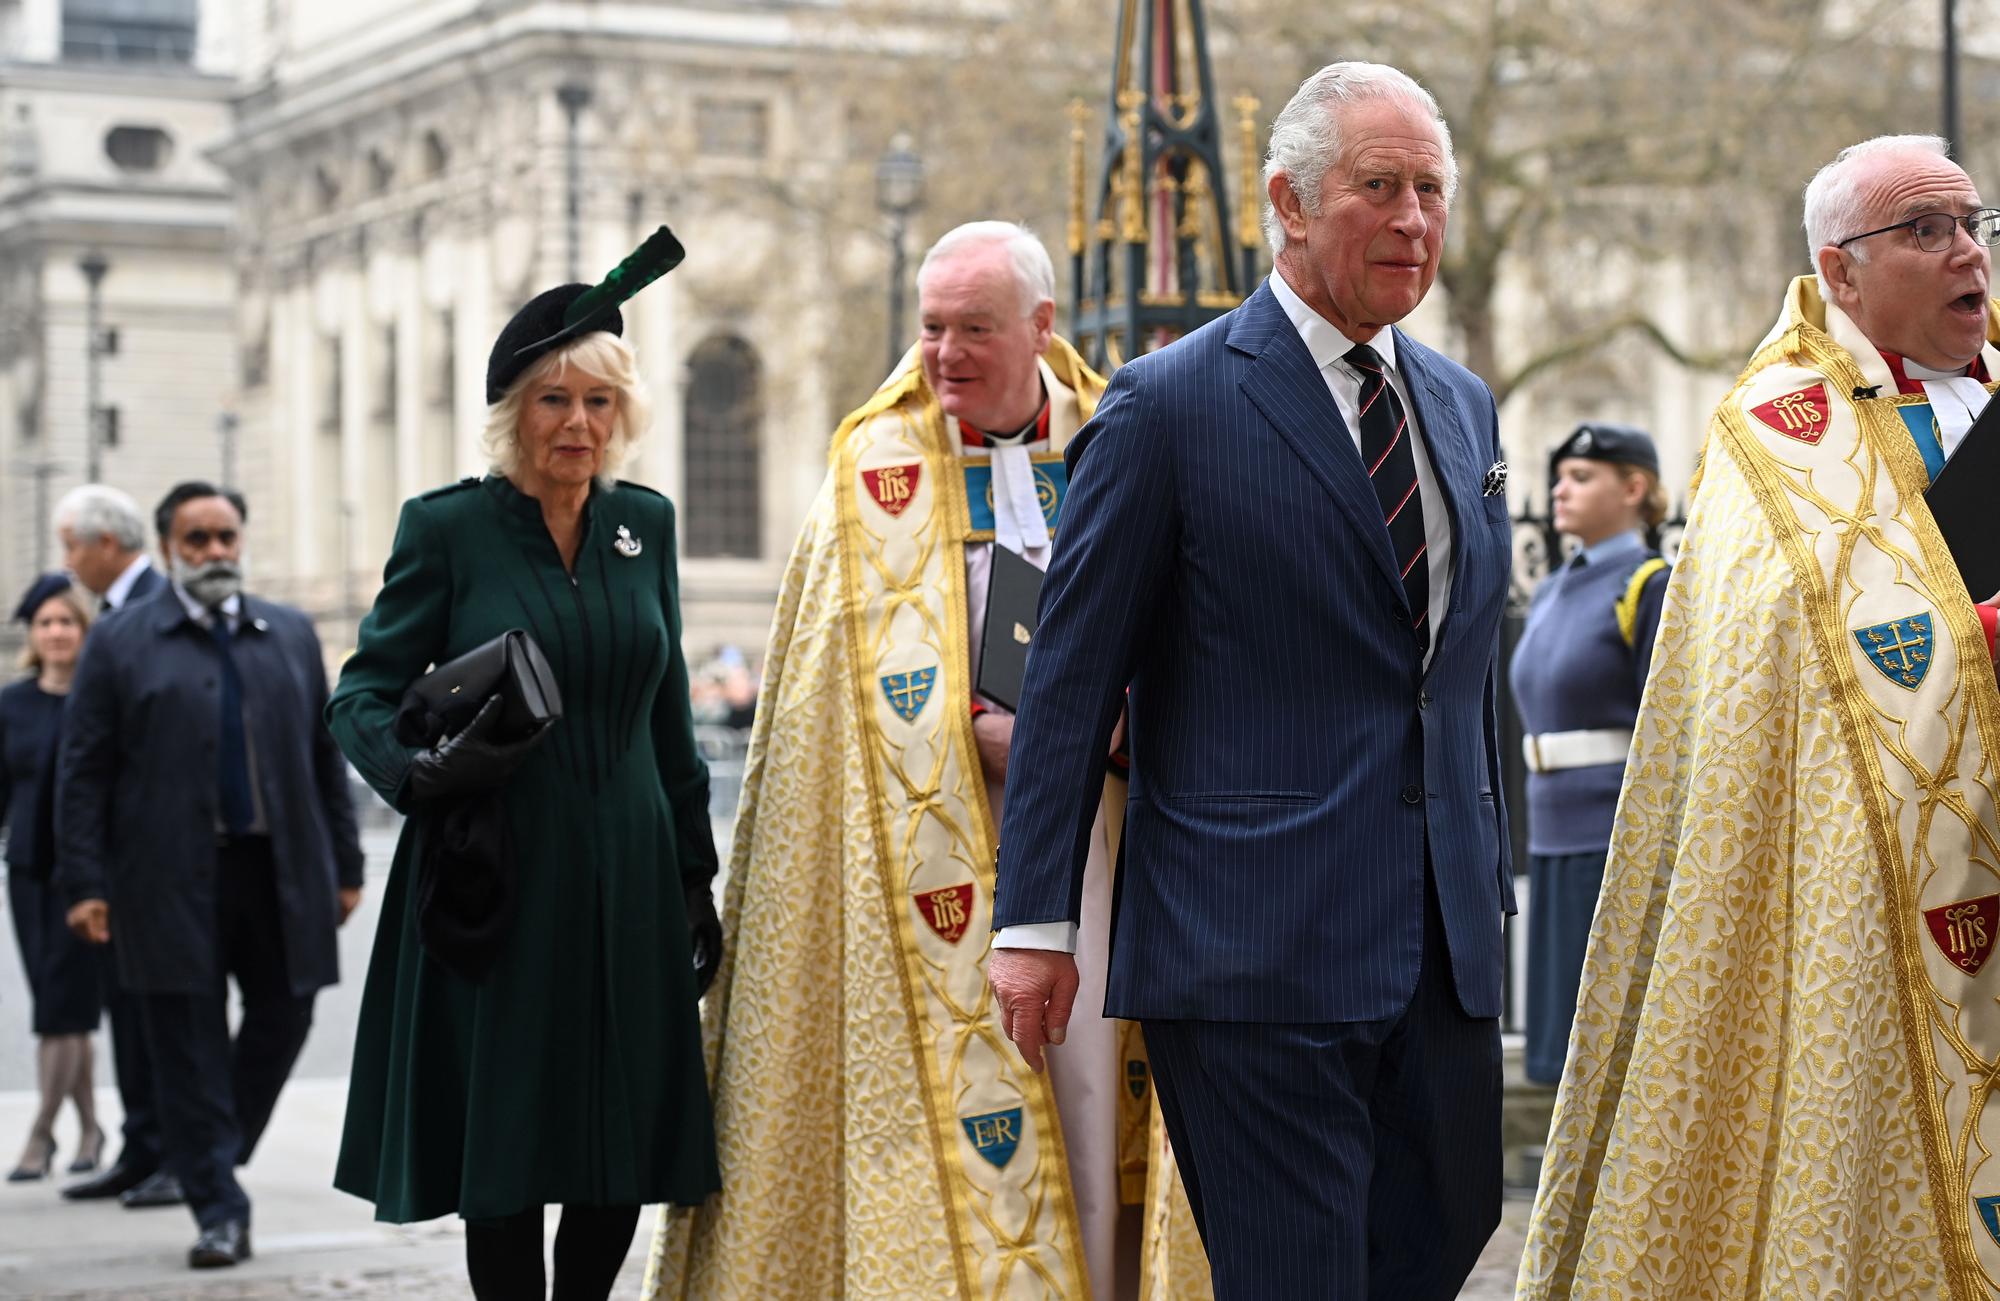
(232, 778)
(1392, 469)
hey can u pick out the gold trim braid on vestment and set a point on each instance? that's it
(993, 1122)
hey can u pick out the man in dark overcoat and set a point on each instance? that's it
(203, 817)
(103, 537)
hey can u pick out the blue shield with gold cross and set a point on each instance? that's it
(1051, 486)
(1989, 1214)
(994, 1135)
(1900, 648)
(907, 692)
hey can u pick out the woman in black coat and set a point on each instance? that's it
(65, 977)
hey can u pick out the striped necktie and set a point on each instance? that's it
(1392, 469)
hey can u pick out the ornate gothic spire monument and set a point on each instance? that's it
(1160, 256)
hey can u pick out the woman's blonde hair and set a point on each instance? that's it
(69, 596)
(601, 355)
(1652, 506)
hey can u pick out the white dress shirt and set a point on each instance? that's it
(121, 586)
(1328, 347)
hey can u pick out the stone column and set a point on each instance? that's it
(355, 370)
(217, 37)
(665, 367)
(410, 377)
(295, 407)
(41, 31)
(472, 322)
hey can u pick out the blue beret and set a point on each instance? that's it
(1597, 441)
(39, 591)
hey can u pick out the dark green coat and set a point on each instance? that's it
(574, 1072)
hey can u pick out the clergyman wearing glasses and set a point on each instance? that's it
(1778, 1084)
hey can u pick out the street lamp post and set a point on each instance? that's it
(899, 189)
(574, 96)
(225, 432)
(1951, 76)
(93, 266)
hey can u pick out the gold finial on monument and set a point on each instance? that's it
(1250, 204)
(1132, 184)
(1077, 229)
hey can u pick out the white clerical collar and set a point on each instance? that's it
(1915, 371)
(1322, 338)
(121, 586)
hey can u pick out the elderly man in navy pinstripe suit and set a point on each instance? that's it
(1287, 537)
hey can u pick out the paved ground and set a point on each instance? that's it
(311, 1242)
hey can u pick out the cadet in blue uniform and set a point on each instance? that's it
(1577, 675)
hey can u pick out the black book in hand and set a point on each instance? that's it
(1963, 498)
(1012, 595)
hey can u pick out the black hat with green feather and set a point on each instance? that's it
(568, 312)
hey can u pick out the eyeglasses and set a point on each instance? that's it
(1936, 230)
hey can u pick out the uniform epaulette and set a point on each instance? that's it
(1627, 606)
(469, 481)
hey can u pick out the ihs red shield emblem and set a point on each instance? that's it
(1802, 415)
(948, 911)
(1964, 930)
(893, 486)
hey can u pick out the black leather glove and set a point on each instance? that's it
(473, 760)
(704, 935)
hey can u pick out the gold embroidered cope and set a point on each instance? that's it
(878, 1134)
(1779, 1079)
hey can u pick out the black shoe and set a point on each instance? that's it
(228, 1243)
(87, 1155)
(157, 1189)
(27, 1174)
(115, 1182)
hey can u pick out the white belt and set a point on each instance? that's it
(1553, 750)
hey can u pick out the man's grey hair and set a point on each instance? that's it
(1034, 274)
(1834, 209)
(1306, 138)
(97, 511)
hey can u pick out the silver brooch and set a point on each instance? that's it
(1496, 480)
(625, 544)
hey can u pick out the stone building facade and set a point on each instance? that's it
(106, 107)
(407, 174)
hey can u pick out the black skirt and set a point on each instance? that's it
(66, 975)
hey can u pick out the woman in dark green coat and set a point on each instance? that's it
(571, 1072)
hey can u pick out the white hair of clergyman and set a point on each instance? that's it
(1834, 210)
(97, 511)
(1305, 136)
(1034, 274)
(601, 355)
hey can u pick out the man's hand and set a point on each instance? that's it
(350, 899)
(91, 920)
(994, 734)
(1036, 989)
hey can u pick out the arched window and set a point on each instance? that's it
(721, 495)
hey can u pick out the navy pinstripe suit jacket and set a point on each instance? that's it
(1222, 552)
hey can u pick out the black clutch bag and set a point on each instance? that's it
(444, 700)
